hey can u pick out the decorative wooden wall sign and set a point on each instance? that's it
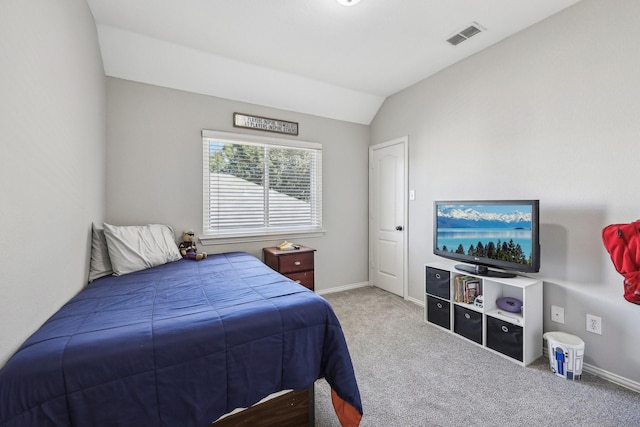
(264, 123)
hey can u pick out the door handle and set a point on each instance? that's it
(399, 227)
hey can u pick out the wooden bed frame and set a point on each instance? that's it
(293, 409)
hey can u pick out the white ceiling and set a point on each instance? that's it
(310, 56)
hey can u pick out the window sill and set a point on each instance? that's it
(224, 240)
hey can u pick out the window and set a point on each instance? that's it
(258, 186)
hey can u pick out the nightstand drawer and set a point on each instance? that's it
(296, 262)
(305, 278)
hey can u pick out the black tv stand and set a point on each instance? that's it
(481, 270)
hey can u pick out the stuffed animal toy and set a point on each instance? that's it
(188, 246)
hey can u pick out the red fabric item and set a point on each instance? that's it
(622, 241)
(347, 414)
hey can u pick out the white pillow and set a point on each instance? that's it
(100, 264)
(133, 247)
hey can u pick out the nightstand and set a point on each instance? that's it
(296, 264)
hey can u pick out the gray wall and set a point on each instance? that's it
(551, 113)
(154, 171)
(52, 174)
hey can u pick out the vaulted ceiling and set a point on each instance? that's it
(310, 56)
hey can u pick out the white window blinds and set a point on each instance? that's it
(260, 186)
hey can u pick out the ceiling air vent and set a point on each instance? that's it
(465, 34)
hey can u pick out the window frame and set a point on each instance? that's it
(211, 237)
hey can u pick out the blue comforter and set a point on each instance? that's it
(177, 345)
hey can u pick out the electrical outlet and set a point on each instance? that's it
(594, 324)
(557, 314)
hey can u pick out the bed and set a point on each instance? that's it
(180, 343)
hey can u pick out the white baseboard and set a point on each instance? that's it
(415, 301)
(611, 377)
(605, 375)
(343, 288)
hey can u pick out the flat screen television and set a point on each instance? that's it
(488, 235)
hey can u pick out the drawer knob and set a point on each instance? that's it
(437, 275)
(505, 329)
(439, 305)
(466, 316)
(296, 263)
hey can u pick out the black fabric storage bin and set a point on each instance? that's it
(504, 337)
(438, 282)
(467, 323)
(438, 312)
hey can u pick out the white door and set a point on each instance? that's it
(387, 215)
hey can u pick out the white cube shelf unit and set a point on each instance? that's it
(516, 336)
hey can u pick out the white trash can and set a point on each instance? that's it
(565, 354)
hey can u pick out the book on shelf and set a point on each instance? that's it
(466, 289)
